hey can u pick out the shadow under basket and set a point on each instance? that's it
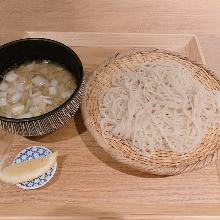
(159, 162)
(34, 49)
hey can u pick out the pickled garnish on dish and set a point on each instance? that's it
(34, 88)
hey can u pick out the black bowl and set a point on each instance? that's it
(32, 49)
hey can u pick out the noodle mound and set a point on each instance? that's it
(159, 105)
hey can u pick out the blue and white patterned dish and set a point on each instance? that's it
(30, 153)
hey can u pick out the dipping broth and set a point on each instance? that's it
(35, 88)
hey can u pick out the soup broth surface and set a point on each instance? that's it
(34, 88)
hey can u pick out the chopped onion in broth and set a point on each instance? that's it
(35, 88)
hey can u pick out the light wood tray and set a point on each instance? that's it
(90, 183)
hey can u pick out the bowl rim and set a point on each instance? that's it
(79, 82)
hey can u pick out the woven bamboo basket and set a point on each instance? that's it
(159, 162)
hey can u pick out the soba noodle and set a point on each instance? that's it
(158, 105)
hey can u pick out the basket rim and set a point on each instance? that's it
(139, 165)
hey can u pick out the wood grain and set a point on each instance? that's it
(86, 175)
(198, 17)
(5, 144)
(95, 179)
(117, 212)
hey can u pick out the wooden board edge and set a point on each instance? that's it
(110, 210)
(103, 34)
(101, 39)
(200, 49)
(189, 42)
(127, 217)
(194, 50)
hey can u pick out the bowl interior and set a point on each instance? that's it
(27, 50)
(35, 49)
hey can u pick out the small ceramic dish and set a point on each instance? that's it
(30, 153)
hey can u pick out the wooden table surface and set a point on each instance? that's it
(198, 17)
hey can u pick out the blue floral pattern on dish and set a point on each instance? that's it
(30, 153)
